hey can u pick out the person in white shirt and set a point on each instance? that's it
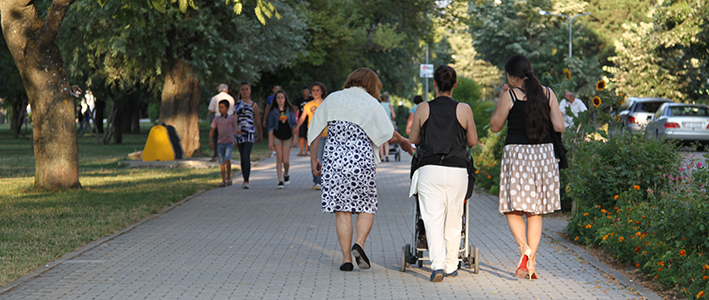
(213, 108)
(576, 106)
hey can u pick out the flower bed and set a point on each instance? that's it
(643, 206)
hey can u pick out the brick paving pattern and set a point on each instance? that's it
(265, 243)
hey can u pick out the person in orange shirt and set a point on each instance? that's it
(319, 93)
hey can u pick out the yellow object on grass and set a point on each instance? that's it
(158, 146)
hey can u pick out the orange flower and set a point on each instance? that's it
(637, 187)
(477, 171)
(605, 236)
(637, 249)
(659, 269)
(588, 226)
(700, 294)
(604, 211)
(655, 277)
(637, 265)
(706, 267)
(661, 263)
(585, 214)
(488, 176)
(601, 85)
(638, 233)
(596, 101)
(705, 277)
(620, 239)
(644, 252)
(615, 198)
(682, 252)
(576, 239)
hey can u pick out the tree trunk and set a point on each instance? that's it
(100, 111)
(180, 105)
(32, 44)
(135, 121)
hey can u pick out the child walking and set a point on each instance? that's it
(226, 127)
(282, 134)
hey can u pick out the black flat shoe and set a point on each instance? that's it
(360, 257)
(346, 267)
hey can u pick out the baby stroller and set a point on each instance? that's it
(467, 254)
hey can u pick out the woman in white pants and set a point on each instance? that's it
(441, 130)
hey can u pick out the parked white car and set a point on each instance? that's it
(685, 123)
(635, 112)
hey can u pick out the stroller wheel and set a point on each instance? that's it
(405, 252)
(477, 261)
(420, 261)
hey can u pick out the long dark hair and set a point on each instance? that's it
(536, 111)
(274, 104)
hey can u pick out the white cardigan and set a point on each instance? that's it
(356, 106)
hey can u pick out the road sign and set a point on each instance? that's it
(426, 71)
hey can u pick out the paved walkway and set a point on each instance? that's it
(266, 243)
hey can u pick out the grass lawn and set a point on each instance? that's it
(39, 226)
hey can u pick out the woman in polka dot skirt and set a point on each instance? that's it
(529, 172)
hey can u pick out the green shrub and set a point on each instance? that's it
(488, 155)
(600, 170)
(643, 206)
(153, 111)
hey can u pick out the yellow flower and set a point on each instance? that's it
(601, 85)
(567, 74)
(596, 101)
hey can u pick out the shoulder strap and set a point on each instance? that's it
(513, 96)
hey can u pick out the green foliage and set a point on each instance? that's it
(488, 155)
(137, 48)
(503, 29)
(661, 230)
(467, 91)
(385, 36)
(453, 25)
(667, 57)
(154, 111)
(600, 170)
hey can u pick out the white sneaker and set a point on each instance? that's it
(280, 185)
(317, 186)
(274, 153)
(286, 179)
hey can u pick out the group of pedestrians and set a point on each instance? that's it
(352, 123)
(285, 123)
(234, 125)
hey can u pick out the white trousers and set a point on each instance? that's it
(441, 198)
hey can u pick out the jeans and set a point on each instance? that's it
(245, 155)
(224, 151)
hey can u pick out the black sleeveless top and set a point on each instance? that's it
(443, 139)
(517, 124)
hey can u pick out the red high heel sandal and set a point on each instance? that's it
(522, 269)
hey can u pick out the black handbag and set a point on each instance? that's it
(559, 149)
